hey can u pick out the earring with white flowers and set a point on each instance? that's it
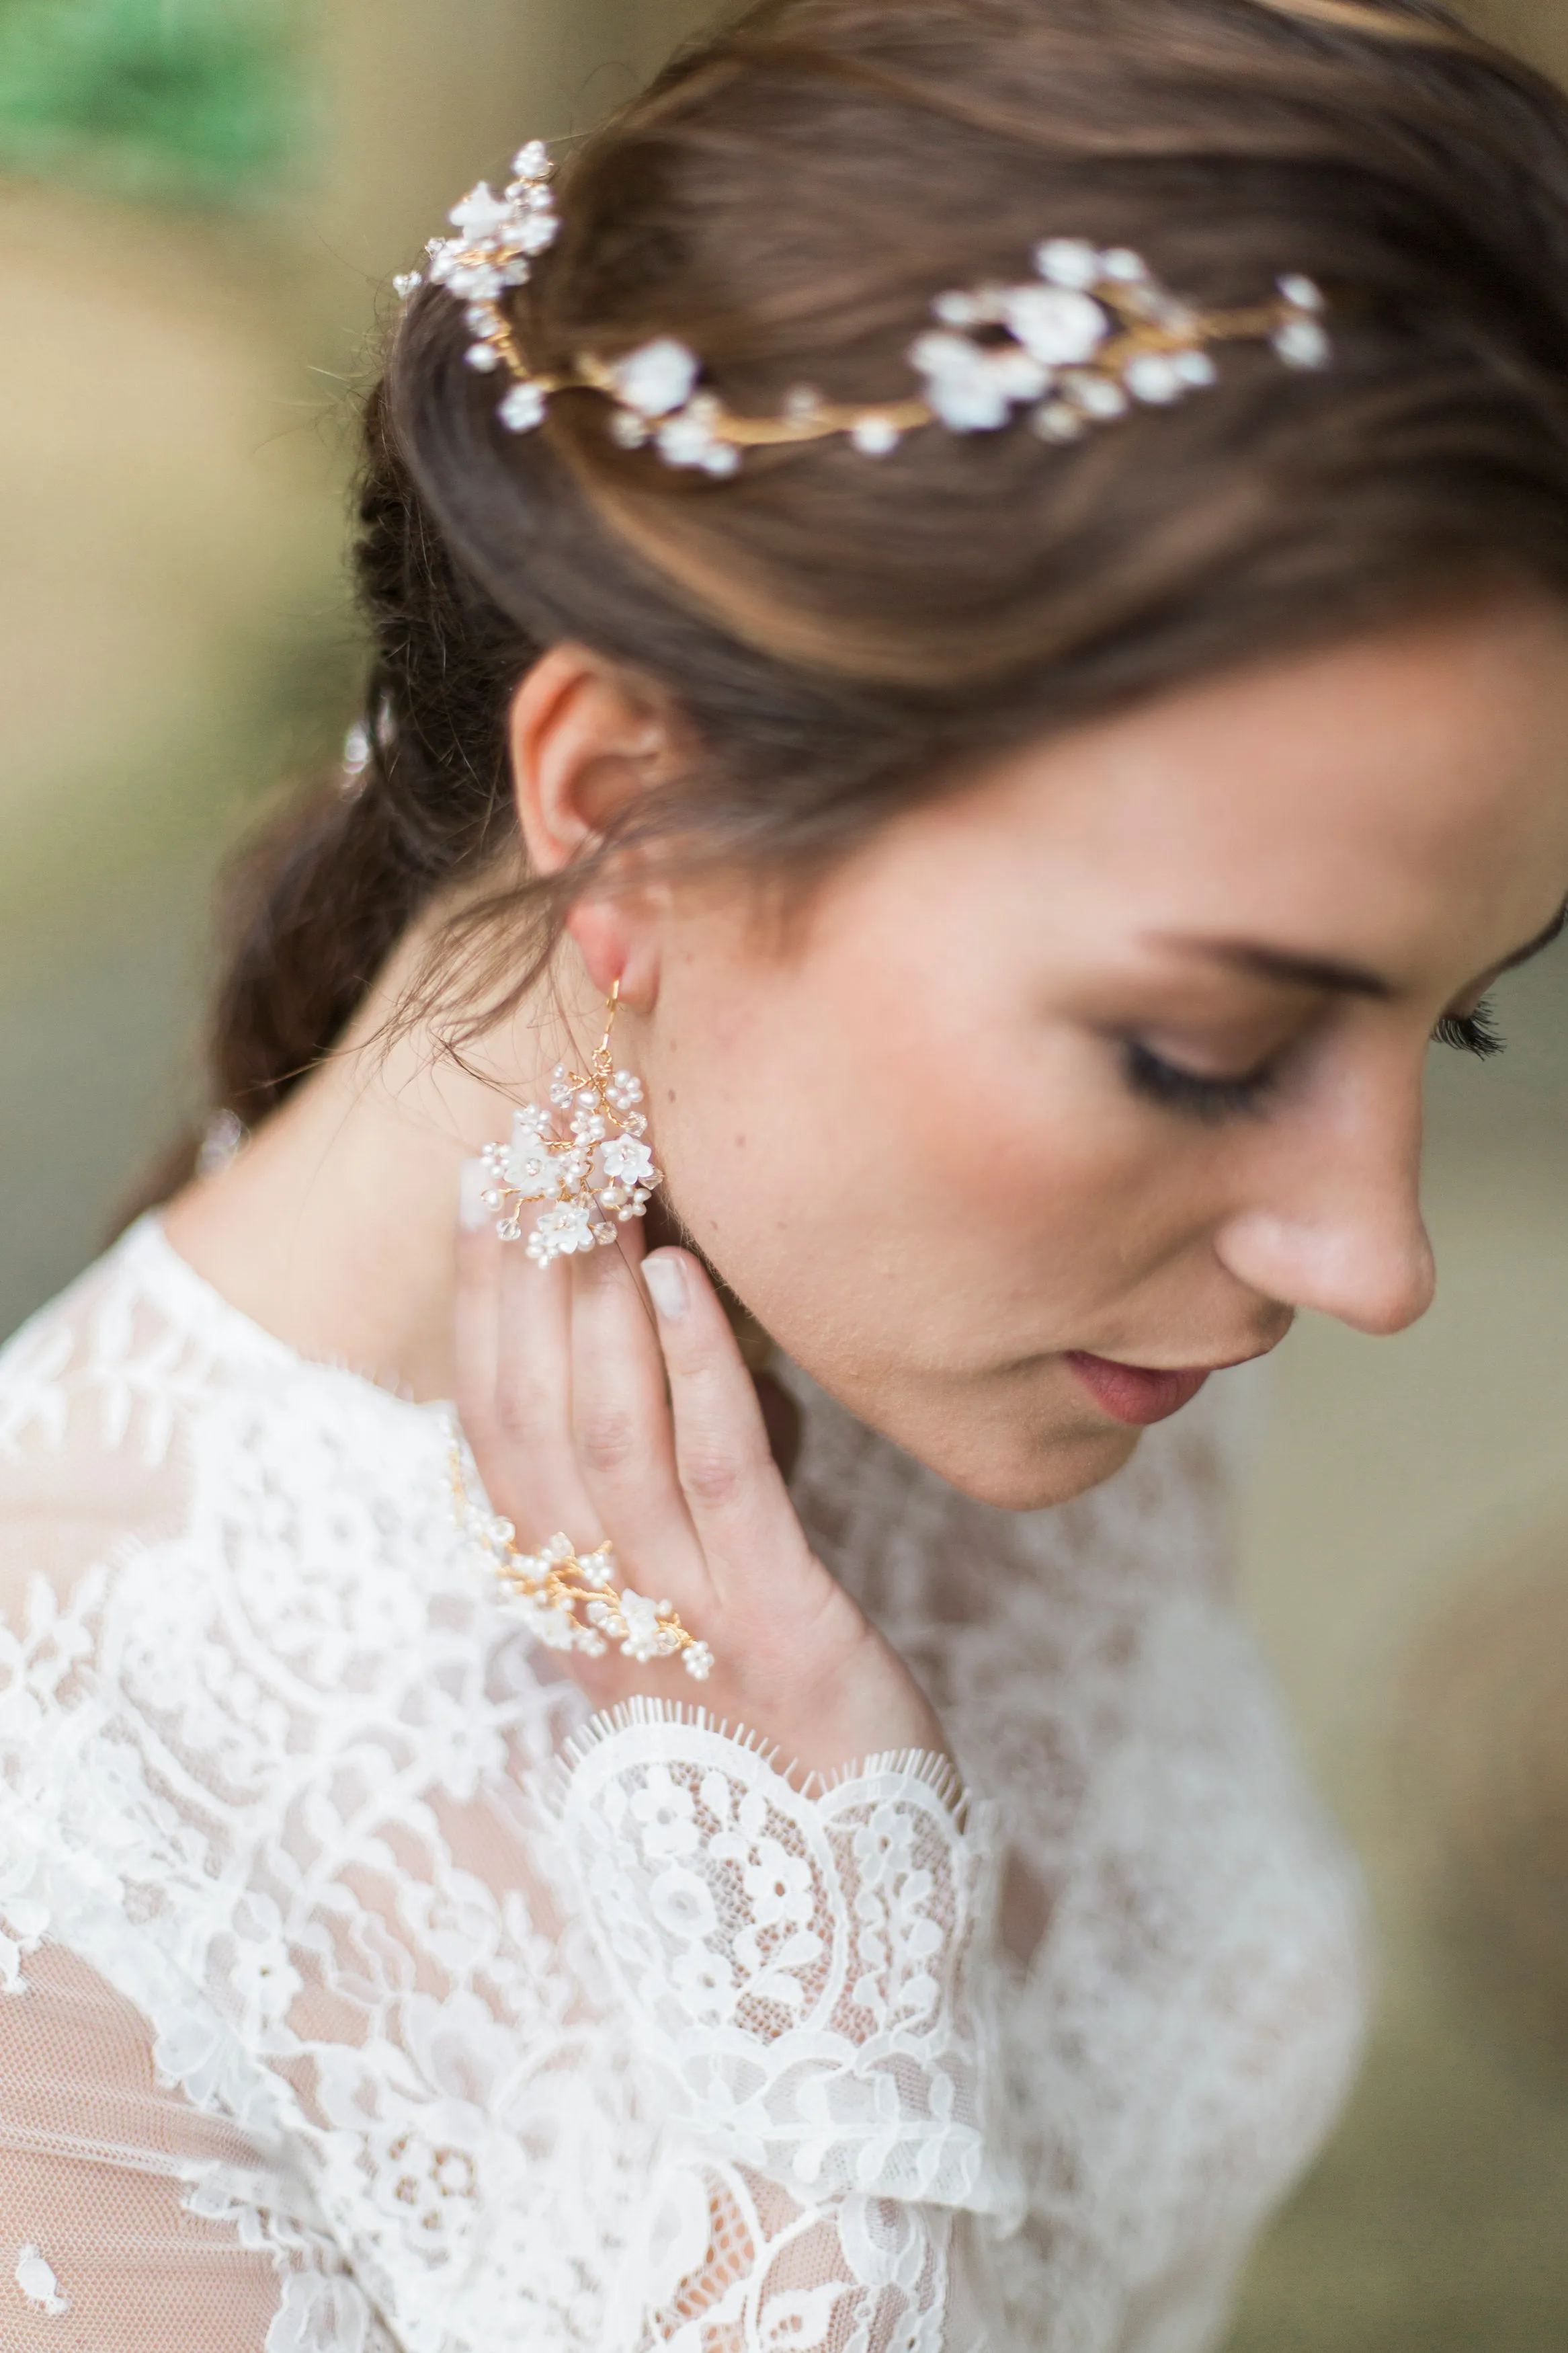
(596, 1175)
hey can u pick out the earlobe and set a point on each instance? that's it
(587, 739)
(617, 942)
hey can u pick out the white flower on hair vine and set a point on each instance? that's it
(1090, 339)
(498, 240)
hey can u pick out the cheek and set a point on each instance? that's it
(1022, 1153)
(924, 1237)
(885, 1200)
(750, 1137)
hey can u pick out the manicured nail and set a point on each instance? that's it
(665, 1279)
(474, 1212)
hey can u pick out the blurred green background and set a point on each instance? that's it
(200, 203)
(175, 98)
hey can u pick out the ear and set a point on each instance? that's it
(588, 738)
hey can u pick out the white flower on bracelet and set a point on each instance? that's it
(569, 1601)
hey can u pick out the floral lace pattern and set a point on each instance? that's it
(361, 1993)
(830, 2044)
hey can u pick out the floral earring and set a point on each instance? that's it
(596, 1175)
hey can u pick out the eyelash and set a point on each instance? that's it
(1472, 1033)
(1183, 1090)
(1220, 1099)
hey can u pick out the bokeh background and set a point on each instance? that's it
(200, 203)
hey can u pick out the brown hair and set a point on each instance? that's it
(845, 633)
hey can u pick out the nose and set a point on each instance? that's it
(1336, 1226)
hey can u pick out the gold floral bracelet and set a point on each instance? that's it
(549, 1588)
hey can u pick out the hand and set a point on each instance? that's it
(589, 1413)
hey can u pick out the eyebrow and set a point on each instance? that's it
(1282, 965)
(1329, 974)
(1543, 940)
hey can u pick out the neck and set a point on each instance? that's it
(333, 1227)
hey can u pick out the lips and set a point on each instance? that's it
(1132, 1393)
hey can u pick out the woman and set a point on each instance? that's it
(992, 577)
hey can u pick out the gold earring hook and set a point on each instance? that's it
(611, 1008)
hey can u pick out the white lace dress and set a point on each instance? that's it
(361, 1992)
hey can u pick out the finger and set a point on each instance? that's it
(738, 1504)
(531, 1463)
(475, 1333)
(533, 1400)
(621, 1425)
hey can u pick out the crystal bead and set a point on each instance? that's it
(1099, 396)
(1067, 262)
(1057, 420)
(1303, 344)
(657, 378)
(874, 437)
(522, 408)
(1059, 327)
(1155, 378)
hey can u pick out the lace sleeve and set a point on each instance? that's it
(809, 1974)
(131, 2221)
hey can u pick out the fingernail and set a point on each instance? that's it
(474, 1212)
(665, 1279)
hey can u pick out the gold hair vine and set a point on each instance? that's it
(1090, 338)
(569, 1601)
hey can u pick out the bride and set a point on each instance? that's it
(970, 659)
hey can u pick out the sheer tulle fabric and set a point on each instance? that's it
(360, 1993)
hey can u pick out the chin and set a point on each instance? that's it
(1015, 1468)
(1030, 1481)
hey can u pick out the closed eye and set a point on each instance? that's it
(1214, 1099)
(1148, 1074)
